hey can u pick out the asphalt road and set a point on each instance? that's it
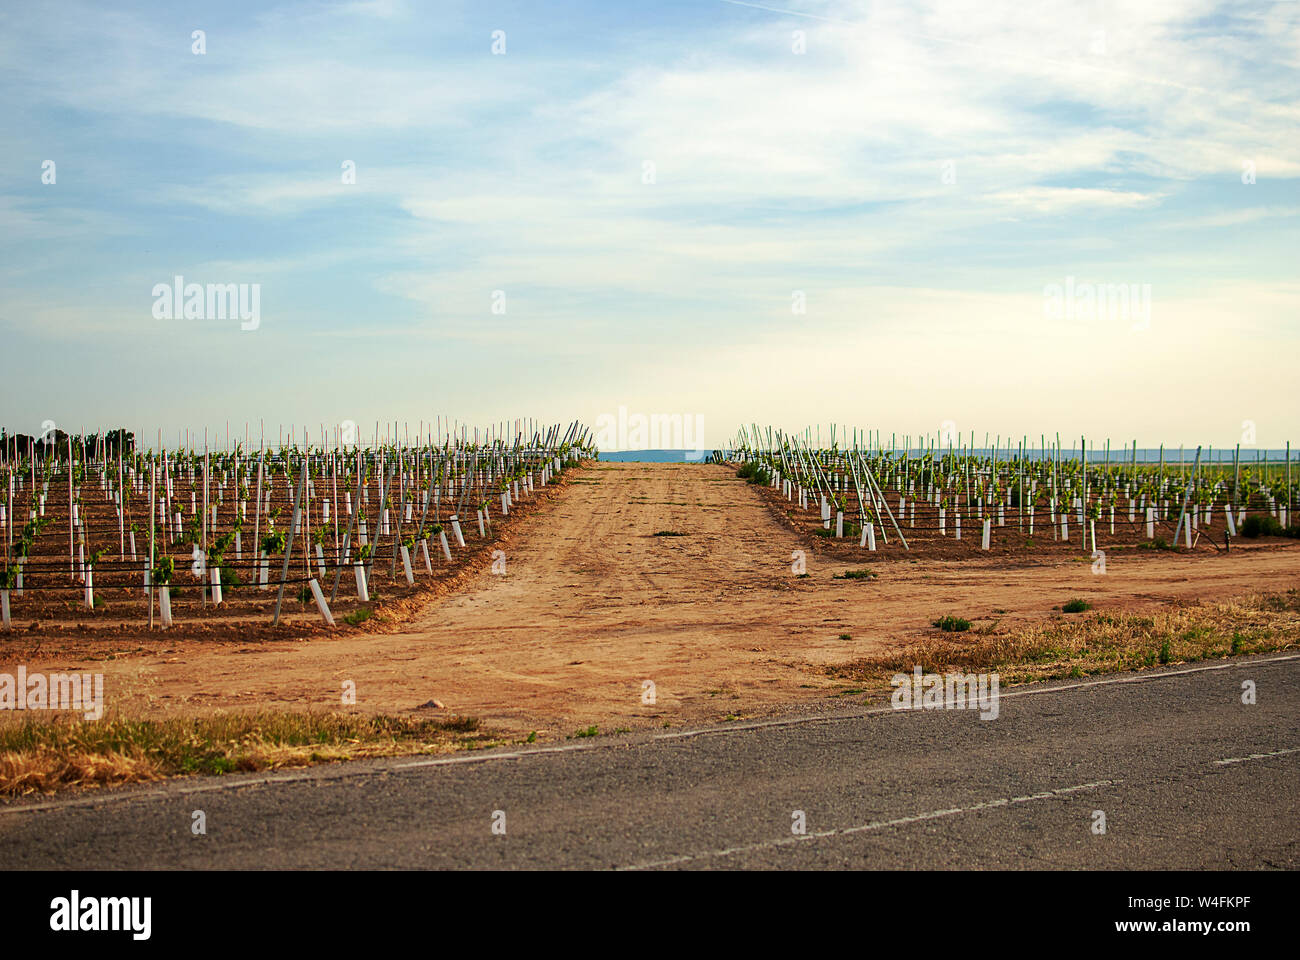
(1187, 777)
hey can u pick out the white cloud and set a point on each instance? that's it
(1072, 199)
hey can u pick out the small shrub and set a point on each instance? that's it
(951, 624)
(862, 574)
(1076, 606)
(1261, 525)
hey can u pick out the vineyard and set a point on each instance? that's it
(953, 500)
(99, 533)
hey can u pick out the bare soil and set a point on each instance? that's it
(592, 605)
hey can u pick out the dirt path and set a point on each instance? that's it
(592, 604)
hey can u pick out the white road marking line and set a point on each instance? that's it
(877, 711)
(874, 825)
(484, 758)
(571, 748)
(320, 773)
(177, 791)
(1258, 756)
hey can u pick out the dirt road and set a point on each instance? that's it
(592, 605)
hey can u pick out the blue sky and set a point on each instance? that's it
(918, 176)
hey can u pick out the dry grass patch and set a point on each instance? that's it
(41, 756)
(1099, 643)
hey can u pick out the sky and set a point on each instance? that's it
(1005, 218)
